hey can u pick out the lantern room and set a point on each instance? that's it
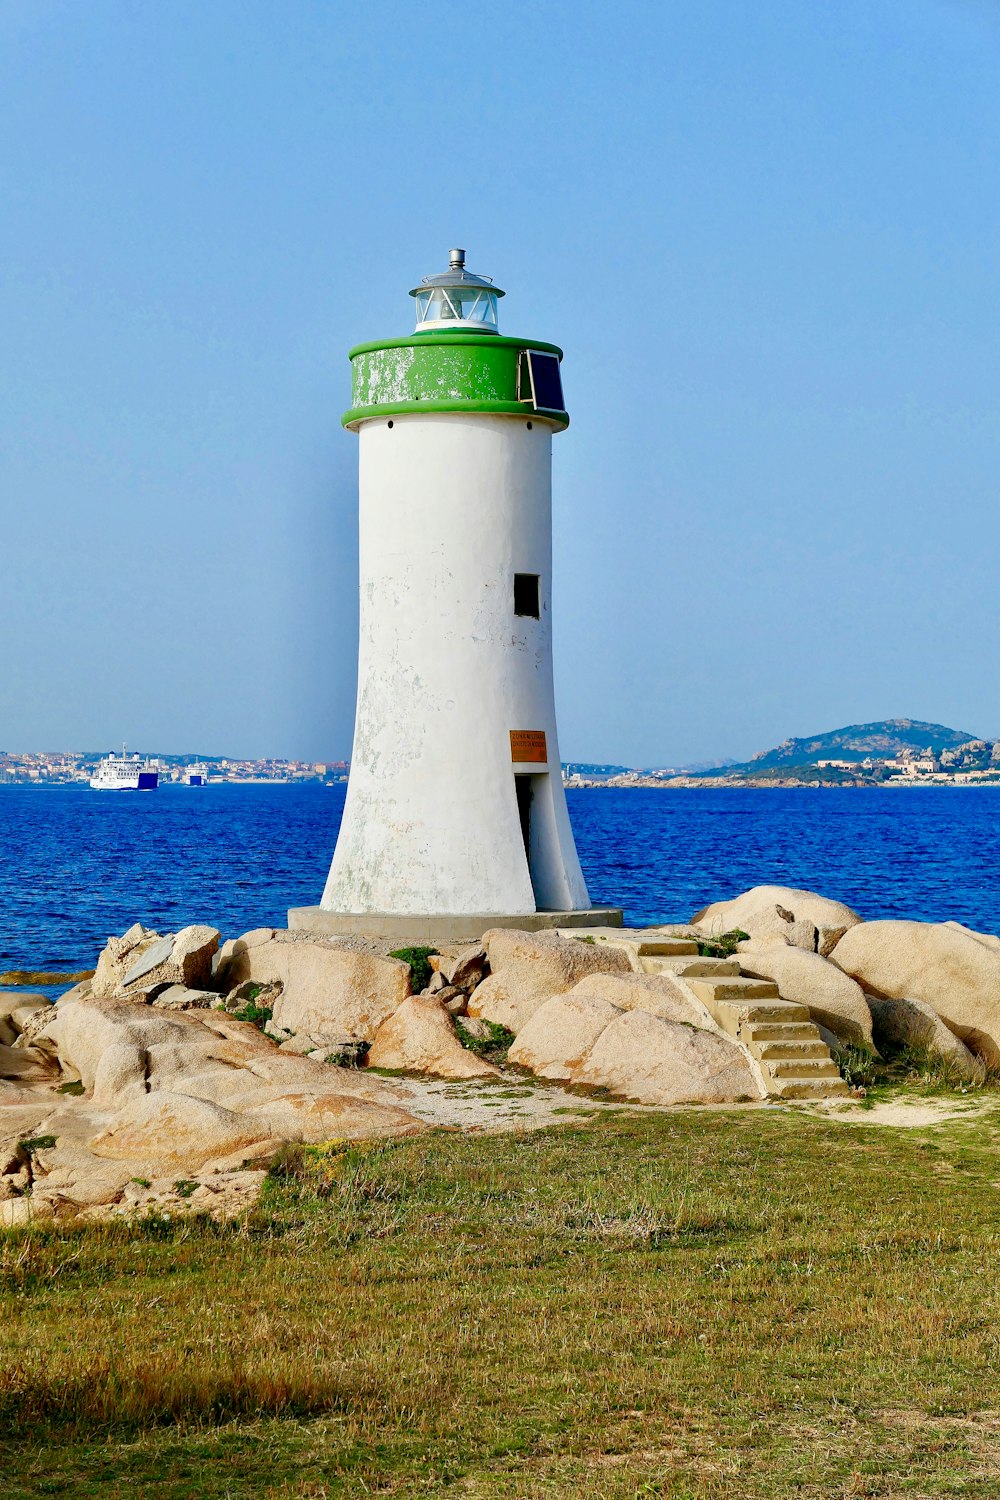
(456, 300)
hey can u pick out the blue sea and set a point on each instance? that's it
(76, 866)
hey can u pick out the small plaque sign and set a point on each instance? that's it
(528, 745)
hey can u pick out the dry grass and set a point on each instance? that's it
(705, 1304)
(912, 1070)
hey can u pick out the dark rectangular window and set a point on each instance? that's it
(526, 594)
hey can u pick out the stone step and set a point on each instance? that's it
(690, 968)
(806, 1067)
(754, 1013)
(809, 1088)
(641, 938)
(712, 991)
(739, 1017)
(795, 1062)
(759, 1032)
(781, 1051)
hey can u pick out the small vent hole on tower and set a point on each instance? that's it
(527, 595)
(529, 426)
(389, 423)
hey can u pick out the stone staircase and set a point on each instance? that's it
(793, 1059)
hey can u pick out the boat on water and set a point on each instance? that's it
(196, 775)
(126, 773)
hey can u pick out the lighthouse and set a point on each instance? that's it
(455, 818)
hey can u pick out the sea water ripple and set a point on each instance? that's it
(77, 865)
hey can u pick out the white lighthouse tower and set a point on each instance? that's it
(455, 818)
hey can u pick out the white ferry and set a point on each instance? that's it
(126, 773)
(196, 775)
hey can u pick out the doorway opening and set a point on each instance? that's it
(541, 839)
(525, 797)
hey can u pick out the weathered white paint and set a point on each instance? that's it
(452, 506)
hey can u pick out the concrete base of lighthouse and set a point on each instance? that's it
(441, 928)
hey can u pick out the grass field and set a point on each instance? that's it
(747, 1303)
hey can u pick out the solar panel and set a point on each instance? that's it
(546, 381)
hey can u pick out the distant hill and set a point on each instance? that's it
(882, 739)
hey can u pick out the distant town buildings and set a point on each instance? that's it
(61, 768)
(977, 762)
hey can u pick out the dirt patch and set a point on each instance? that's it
(511, 1102)
(910, 1113)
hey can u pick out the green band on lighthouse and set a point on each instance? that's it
(445, 372)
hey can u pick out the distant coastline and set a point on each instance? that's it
(737, 783)
(885, 752)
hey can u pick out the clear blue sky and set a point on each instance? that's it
(765, 234)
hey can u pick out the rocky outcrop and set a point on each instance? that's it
(179, 997)
(947, 968)
(528, 968)
(801, 918)
(654, 1061)
(833, 998)
(17, 1007)
(22, 1015)
(190, 1094)
(454, 1000)
(230, 966)
(659, 994)
(135, 965)
(913, 1023)
(204, 1054)
(420, 1037)
(27, 1064)
(988, 939)
(337, 991)
(557, 1039)
(179, 1132)
(83, 1032)
(261, 996)
(633, 1054)
(463, 965)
